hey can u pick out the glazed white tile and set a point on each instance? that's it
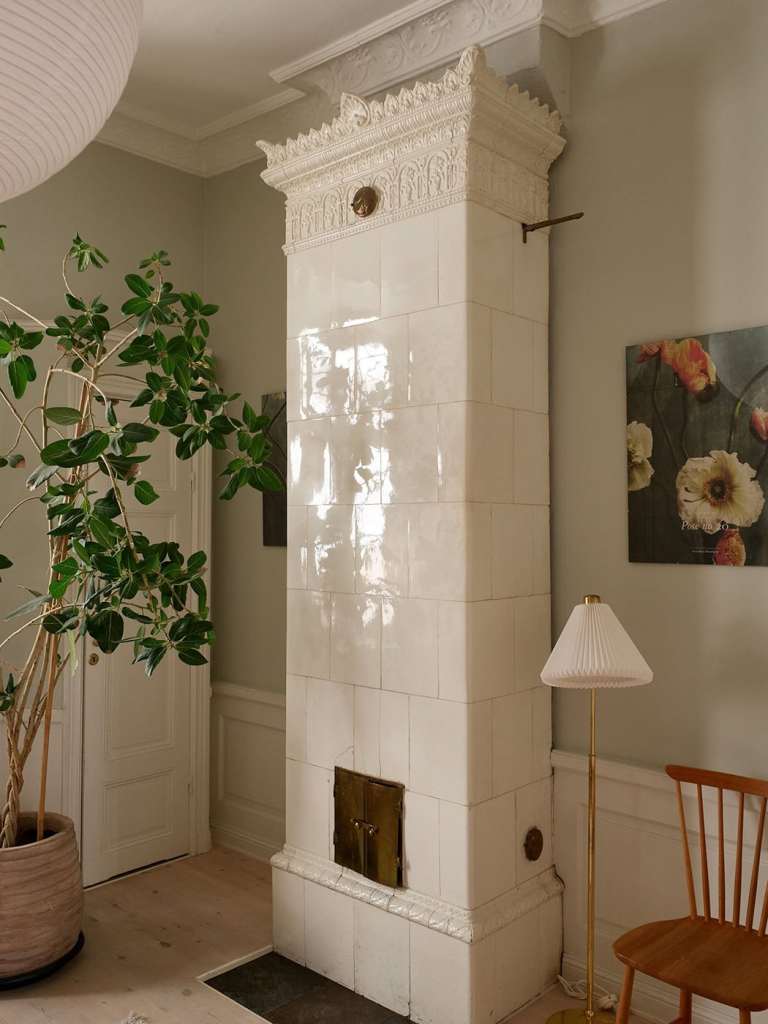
(451, 749)
(531, 276)
(513, 750)
(394, 732)
(476, 445)
(533, 640)
(307, 807)
(449, 355)
(356, 278)
(356, 639)
(477, 254)
(541, 546)
(309, 462)
(476, 649)
(309, 292)
(513, 360)
(382, 957)
(326, 373)
(382, 549)
(409, 646)
(541, 706)
(454, 846)
(296, 551)
(492, 838)
(381, 363)
(308, 647)
(331, 547)
(367, 725)
(409, 455)
(540, 368)
(288, 918)
(330, 933)
(296, 718)
(355, 459)
(292, 377)
(330, 723)
(534, 809)
(421, 848)
(531, 458)
(409, 265)
(513, 529)
(520, 943)
(449, 551)
(441, 978)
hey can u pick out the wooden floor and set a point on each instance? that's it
(150, 936)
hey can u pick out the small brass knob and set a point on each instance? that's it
(365, 201)
(93, 659)
(534, 843)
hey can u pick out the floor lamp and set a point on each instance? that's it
(594, 651)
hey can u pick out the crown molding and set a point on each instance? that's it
(467, 136)
(380, 27)
(406, 45)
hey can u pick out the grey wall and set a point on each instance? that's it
(667, 155)
(245, 274)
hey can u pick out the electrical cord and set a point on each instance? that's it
(578, 990)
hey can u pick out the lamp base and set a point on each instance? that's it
(578, 1015)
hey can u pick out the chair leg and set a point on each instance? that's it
(685, 1007)
(744, 1017)
(625, 1000)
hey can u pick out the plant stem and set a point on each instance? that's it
(19, 419)
(40, 323)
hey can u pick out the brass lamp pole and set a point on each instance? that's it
(594, 651)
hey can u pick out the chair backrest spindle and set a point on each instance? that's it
(686, 852)
(739, 859)
(703, 853)
(755, 867)
(721, 857)
(744, 786)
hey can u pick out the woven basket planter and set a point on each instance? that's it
(41, 902)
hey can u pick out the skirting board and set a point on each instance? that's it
(248, 769)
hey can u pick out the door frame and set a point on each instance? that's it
(201, 496)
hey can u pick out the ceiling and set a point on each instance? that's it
(204, 65)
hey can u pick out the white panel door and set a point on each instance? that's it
(136, 731)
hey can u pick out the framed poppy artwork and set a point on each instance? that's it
(697, 449)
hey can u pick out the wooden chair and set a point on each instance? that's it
(706, 954)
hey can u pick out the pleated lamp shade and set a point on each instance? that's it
(593, 651)
(63, 66)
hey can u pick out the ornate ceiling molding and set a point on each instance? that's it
(466, 136)
(384, 54)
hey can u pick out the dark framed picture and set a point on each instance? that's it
(274, 503)
(697, 445)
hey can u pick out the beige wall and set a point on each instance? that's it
(127, 206)
(245, 274)
(667, 155)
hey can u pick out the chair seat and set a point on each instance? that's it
(717, 961)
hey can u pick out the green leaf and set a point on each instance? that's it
(66, 568)
(76, 452)
(5, 563)
(145, 492)
(28, 606)
(191, 656)
(138, 285)
(63, 414)
(17, 374)
(106, 628)
(39, 476)
(264, 478)
(138, 432)
(17, 459)
(196, 561)
(62, 620)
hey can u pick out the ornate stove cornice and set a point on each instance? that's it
(466, 136)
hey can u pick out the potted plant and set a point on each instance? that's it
(103, 579)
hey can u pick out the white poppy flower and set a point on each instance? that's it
(718, 489)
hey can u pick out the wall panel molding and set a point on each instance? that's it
(247, 769)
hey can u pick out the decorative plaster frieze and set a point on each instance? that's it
(466, 925)
(466, 136)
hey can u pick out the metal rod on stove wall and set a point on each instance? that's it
(527, 228)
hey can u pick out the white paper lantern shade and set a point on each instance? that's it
(63, 67)
(594, 650)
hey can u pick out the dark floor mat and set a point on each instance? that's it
(286, 993)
